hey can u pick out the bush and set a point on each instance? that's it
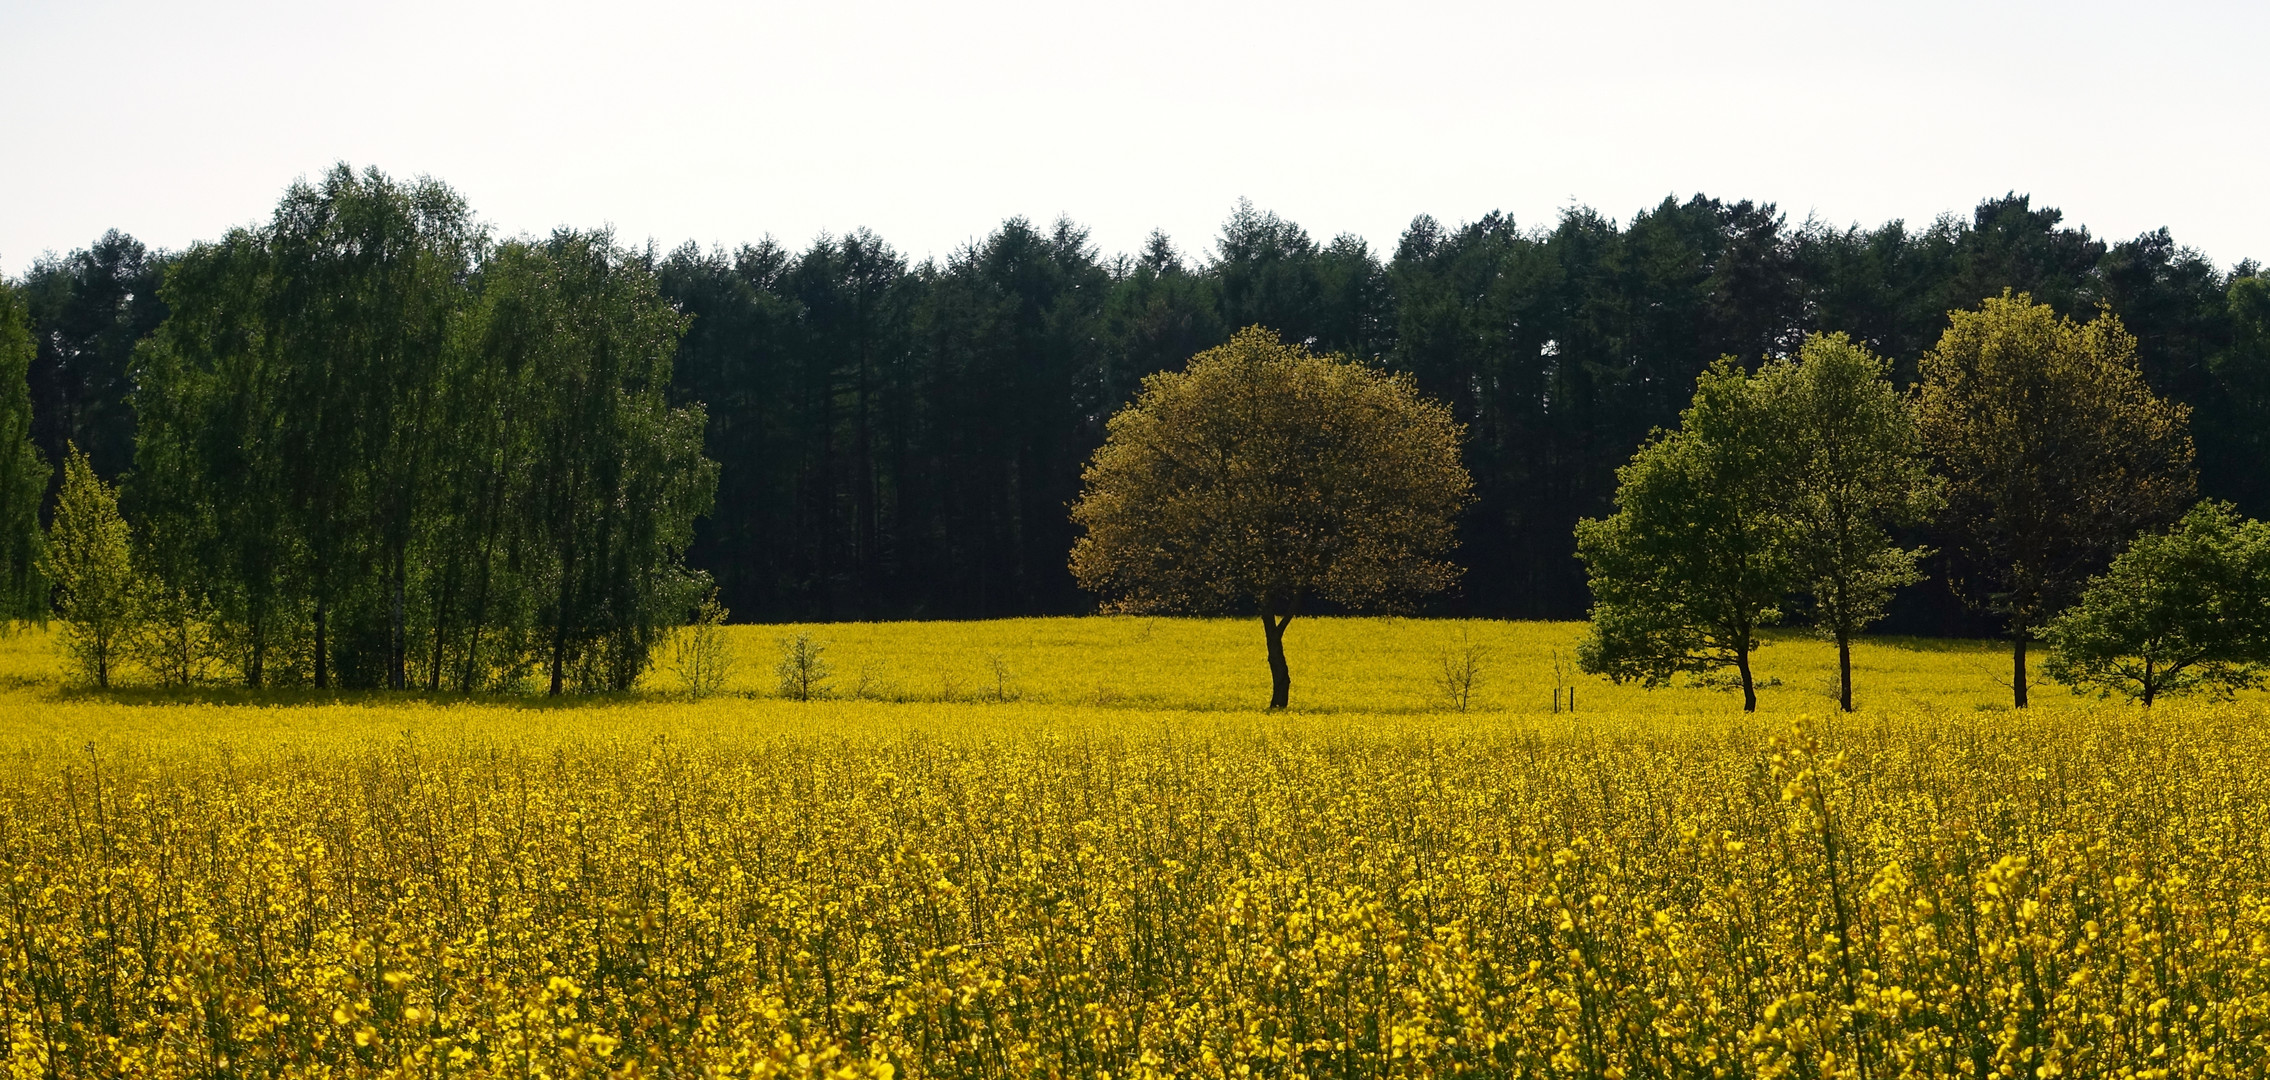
(701, 656)
(1461, 673)
(803, 673)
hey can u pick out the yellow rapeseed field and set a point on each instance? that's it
(1073, 848)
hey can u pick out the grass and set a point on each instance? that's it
(1075, 847)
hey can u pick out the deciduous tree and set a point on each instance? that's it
(1698, 555)
(91, 560)
(2054, 451)
(364, 275)
(210, 482)
(1856, 469)
(615, 472)
(2181, 610)
(1263, 475)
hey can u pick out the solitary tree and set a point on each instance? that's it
(1263, 475)
(2055, 452)
(23, 471)
(2181, 610)
(1697, 556)
(1855, 469)
(91, 562)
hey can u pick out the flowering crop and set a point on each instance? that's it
(737, 887)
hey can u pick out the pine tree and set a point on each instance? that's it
(23, 472)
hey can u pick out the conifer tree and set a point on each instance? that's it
(23, 471)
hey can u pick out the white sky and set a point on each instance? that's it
(930, 123)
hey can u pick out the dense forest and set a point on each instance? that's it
(901, 439)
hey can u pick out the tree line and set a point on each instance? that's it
(901, 438)
(2034, 448)
(369, 446)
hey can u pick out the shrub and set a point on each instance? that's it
(701, 656)
(1461, 673)
(802, 670)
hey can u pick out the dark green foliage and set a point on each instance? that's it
(1008, 330)
(1159, 314)
(288, 408)
(1856, 471)
(614, 474)
(1698, 555)
(90, 308)
(1559, 350)
(209, 485)
(381, 456)
(24, 473)
(2231, 417)
(1778, 484)
(2012, 245)
(2053, 450)
(366, 276)
(901, 438)
(2182, 610)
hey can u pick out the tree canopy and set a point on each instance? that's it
(1855, 471)
(2179, 610)
(1264, 475)
(1778, 484)
(2055, 452)
(378, 460)
(90, 560)
(897, 437)
(24, 472)
(1696, 558)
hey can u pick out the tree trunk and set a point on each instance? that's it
(1280, 676)
(560, 624)
(1749, 689)
(433, 674)
(1844, 671)
(559, 657)
(252, 671)
(2150, 683)
(322, 658)
(2018, 670)
(397, 633)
